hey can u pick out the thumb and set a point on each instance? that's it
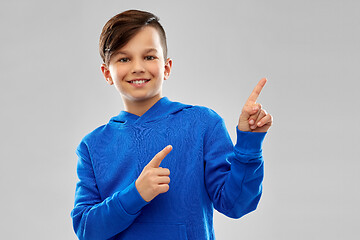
(157, 159)
(247, 111)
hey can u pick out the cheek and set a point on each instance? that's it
(156, 69)
(118, 76)
(121, 73)
(118, 72)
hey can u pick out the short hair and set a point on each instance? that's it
(121, 28)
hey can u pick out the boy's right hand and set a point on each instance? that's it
(153, 179)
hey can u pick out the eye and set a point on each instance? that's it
(149, 57)
(124, 60)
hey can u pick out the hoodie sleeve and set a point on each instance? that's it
(233, 175)
(96, 218)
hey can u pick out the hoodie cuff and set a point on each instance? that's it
(249, 142)
(131, 200)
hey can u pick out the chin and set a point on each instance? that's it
(140, 98)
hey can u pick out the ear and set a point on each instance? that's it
(167, 70)
(106, 72)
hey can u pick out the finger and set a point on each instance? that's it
(254, 116)
(162, 171)
(155, 162)
(259, 117)
(163, 180)
(249, 110)
(267, 119)
(162, 188)
(257, 90)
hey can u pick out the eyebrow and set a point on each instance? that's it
(119, 52)
(151, 50)
(146, 51)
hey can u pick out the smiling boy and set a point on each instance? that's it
(159, 168)
(138, 69)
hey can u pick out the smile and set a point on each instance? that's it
(139, 83)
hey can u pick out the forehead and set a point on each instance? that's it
(147, 38)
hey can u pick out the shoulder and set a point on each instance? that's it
(95, 133)
(208, 120)
(200, 117)
(193, 110)
(205, 113)
(92, 137)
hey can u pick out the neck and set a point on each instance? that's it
(140, 107)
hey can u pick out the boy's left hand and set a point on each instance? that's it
(253, 118)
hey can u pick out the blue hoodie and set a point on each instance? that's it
(206, 172)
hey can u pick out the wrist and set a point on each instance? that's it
(249, 142)
(131, 200)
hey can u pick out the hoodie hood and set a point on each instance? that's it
(161, 109)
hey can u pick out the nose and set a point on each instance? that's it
(138, 66)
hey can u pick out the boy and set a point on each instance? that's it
(124, 189)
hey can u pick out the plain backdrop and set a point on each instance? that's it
(53, 93)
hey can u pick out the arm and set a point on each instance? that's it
(94, 218)
(235, 185)
(234, 175)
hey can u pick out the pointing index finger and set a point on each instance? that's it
(156, 161)
(257, 90)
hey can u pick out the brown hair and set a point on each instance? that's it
(121, 28)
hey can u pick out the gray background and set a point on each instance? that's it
(52, 93)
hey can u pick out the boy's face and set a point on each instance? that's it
(138, 69)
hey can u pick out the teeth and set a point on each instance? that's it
(138, 81)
